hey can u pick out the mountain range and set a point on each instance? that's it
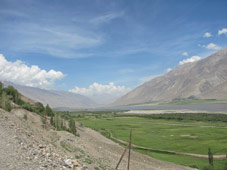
(204, 79)
(56, 99)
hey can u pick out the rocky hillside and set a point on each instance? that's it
(204, 79)
(56, 99)
(25, 144)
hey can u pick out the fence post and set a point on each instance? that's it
(127, 146)
(122, 156)
(129, 149)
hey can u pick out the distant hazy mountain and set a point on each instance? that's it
(56, 99)
(205, 79)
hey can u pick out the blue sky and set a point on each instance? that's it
(125, 42)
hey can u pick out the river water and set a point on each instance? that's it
(199, 107)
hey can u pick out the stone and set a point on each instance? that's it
(76, 163)
(41, 146)
(68, 163)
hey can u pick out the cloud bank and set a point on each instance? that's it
(168, 70)
(207, 35)
(212, 46)
(103, 94)
(20, 73)
(190, 60)
(222, 31)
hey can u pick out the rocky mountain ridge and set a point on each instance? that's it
(204, 79)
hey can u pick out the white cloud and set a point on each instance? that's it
(20, 73)
(185, 53)
(106, 18)
(207, 35)
(222, 31)
(102, 94)
(190, 60)
(59, 41)
(168, 70)
(212, 46)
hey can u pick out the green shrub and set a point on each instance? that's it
(208, 168)
(8, 106)
(13, 94)
(194, 166)
(25, 117)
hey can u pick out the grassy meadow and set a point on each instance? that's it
(195, 101)
(167, 132)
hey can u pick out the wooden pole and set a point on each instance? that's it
(122, 156)
(129, 149)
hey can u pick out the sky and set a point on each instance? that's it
(105, 48)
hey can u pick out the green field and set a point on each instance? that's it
(183, 101)
(195, 101)
(188, 136)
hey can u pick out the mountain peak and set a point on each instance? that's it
(205, 79)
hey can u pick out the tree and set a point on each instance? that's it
(210, 157)
(49, 111)
(208, 168)
(1, 86)
(45, 119)
(52, 120)
(8, 106)
(12, 93)
(72, 126)
(3, 100)
(39, 108)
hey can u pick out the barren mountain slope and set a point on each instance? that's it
(204, 79)
(54, 98)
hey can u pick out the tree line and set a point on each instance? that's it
(10, 96)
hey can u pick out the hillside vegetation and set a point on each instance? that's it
(10, 98)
